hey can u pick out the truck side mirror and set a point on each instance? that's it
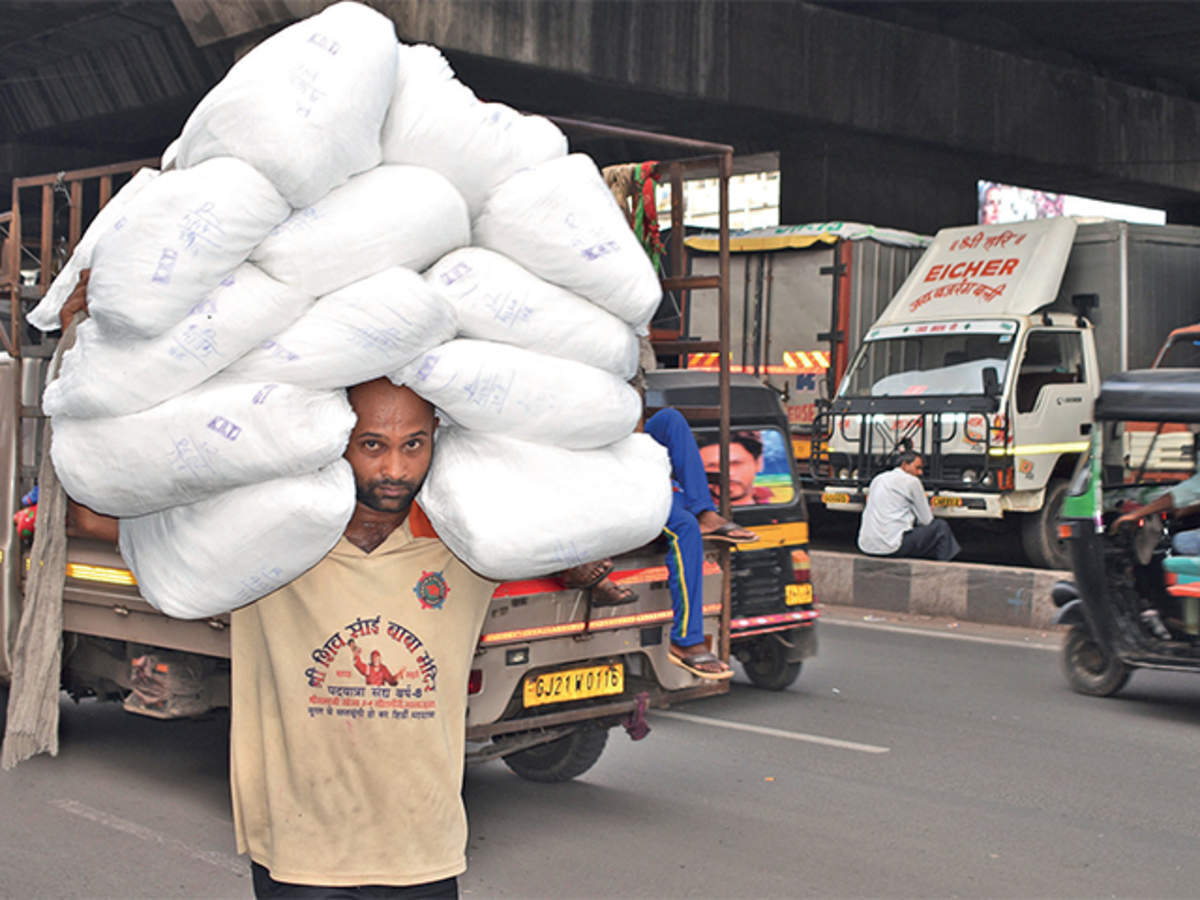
(991, 382)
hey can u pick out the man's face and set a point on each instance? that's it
(743, 467)
(375, 657)
(391, 446)
(916, 467)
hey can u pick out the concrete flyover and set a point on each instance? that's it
(874, 120)
(883, 120)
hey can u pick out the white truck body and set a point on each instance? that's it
(1000, 298)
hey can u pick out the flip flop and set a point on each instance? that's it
(692, 660)
(587, 575)
(609, 593)
(726, 533)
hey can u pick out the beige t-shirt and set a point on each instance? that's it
(347, 769)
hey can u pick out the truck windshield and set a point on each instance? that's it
(1183, 352)
(914, 364)
(760, 471)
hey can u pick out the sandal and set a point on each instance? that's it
(730, 533)
(587, 575)
(609, 593)
(694, 661)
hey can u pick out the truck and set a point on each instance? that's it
(988, 358)
(551, 674)
(802, 297)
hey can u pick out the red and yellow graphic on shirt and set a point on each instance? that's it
(372, 670)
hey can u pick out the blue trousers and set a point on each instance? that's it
(685, 548)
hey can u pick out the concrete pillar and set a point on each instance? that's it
(830, 176)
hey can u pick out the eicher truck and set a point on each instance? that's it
(988, 359)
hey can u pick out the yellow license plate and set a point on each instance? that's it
(574, 684)
(945, 501)
(835, 498)
(797, 594)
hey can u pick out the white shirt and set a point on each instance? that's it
(896, 501)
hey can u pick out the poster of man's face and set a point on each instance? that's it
(744, 466)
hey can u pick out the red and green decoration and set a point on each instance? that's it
(645, 213)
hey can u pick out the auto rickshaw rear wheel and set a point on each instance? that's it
(560, 760)
(766, 664)
(1088, 668)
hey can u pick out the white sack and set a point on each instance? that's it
(559, 220)
(391, 216)
(497, 300)
(506, 390)
(176, 241)
(45, 315)
(213, 556)
(364, 331)
(436, 121)
(511, 509)
(305, 106)
(113, 377)
(217, 436)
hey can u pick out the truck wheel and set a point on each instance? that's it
(560, 760)
(1088, 670)
(1039, 531)
(767, 666)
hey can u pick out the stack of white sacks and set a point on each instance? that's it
(279, 260)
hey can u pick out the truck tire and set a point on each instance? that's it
(767, 666)
(560, 760)
(1039, 530)
(1088, 669)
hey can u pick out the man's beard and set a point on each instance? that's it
(369, 494)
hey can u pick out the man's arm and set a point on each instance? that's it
(86, 523)
(1184, 494)
(920, 502)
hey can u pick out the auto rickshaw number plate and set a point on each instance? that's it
(797, 594)
(835, 498)
(945, 501)
(574, 684)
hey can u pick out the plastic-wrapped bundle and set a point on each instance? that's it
(559, 221)
(506, 390)
(45, 315)
(177, 240)
(215, 555)
(436, 121)
(113, 377)
(305, 106)
(214, 437)
(497, 300)
(390, 216)
(512, 509)
(365, 330)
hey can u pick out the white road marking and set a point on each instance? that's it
(772, 732)
(954, 636)
(234, 864)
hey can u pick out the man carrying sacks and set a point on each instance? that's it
(314, 749)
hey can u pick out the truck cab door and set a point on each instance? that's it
(1052, 399)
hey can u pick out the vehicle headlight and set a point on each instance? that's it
(969, 476)
(986, 479)
(854, 475)
(843, 474)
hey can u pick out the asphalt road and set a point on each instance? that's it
(930, 764)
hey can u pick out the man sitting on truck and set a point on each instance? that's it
(897, 520)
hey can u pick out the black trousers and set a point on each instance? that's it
(265, 886)
(932, 541)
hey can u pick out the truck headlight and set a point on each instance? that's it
(843, 475)
(969, 476)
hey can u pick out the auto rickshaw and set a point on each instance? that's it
(1135, 600)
